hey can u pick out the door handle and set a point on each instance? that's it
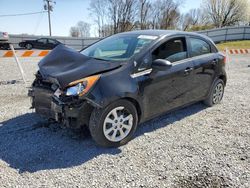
(214, 62)
(188, 70)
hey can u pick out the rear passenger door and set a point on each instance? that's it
(205, 62)
(51, 44)
(41, 43)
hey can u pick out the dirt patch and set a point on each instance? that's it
(205, 178)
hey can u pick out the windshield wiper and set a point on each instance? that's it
(100, 59)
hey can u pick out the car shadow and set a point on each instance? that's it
(28, 144)
(169, 118)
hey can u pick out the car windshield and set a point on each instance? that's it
(118, 47)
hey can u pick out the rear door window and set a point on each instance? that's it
(52, 41)
(198, 47)
(44, 41)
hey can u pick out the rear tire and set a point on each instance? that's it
(114, 125)
(28, 46)
(216, 93)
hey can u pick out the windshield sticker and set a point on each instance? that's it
(150, 37)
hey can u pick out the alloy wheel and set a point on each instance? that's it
(117, 124)
(218, 93)
(28, 46)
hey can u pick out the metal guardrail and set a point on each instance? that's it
(228, 33)
(217, 35)
(76, 43)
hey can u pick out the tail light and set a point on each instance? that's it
(224, 59)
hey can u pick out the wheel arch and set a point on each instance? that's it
(224, 78)
(28, 43)
(137, 106)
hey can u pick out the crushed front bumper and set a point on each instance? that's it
(72, 114)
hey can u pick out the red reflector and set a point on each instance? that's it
(225, 60)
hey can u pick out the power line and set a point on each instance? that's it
(24, 14)
(38, 23)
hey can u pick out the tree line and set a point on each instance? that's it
(114, 16)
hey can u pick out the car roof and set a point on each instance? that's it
(165, 33)
(160, 33)
(47, 38)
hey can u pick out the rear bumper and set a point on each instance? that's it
(72, 114)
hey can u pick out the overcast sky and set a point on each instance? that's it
(66, 14)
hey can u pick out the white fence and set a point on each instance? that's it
(217, 35)
(228, 34)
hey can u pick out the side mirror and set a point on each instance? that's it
(161, 64)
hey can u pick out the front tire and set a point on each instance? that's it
(115, 124)
(216, 93)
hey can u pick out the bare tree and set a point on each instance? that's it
(114, 16)
(193, 18)
(128, 15)
(98, 9)
(107, 30)
(165, 14)
(122, 14)
(84, 29)
(118, 15)
(144, 11)
(74, 32)
(225, 12)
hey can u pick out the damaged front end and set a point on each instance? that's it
(52, 103)
(62, 85)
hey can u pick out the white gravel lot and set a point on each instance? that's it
(192, 147)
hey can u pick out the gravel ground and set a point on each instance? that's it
(192, 147)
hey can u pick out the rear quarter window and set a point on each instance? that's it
(198, 47)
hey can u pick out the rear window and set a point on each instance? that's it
(52, 41)
(42, 41)
(199, 47)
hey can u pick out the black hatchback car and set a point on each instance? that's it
(126, 79)
(42, 43)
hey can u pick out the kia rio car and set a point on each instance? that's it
(125, 79)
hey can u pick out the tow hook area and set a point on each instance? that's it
(70, 112)
(32, 95)
(72, 115)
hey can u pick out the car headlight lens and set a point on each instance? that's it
(82, 86)
(75, 90)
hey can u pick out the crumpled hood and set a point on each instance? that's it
(66, 65)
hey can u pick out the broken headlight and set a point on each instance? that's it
(82, 86)
(75, 90)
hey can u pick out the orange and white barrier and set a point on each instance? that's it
(25, 53)
(42, 53)
(238, 51)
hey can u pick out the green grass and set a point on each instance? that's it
(244, 44)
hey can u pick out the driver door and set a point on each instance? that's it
(167, 89)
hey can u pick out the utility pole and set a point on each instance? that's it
(49, 7)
